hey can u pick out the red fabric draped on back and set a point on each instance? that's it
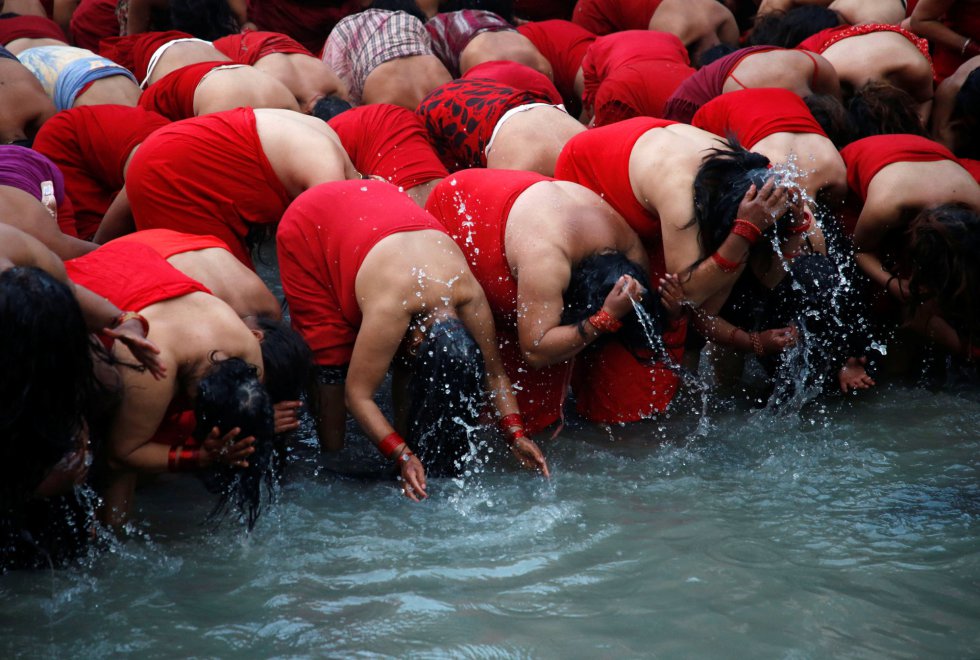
(206, 175)
(474, 206)
(865, 158)
(167, 242)
(134, 52)
(754, 114)
(517, 76)
(29, 27)
(322, 241)
(251, 46)
(607, 16)
(173, 95)
(388, 141)
(564, 45)
(92, 21)
(90, 144)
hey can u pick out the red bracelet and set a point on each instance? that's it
(390, 443)
(603, 321)
(746, 230)
(756, 343)
(181, 459)
(725, 265)
(129, 316)
(512, 426)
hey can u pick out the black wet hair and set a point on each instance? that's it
(448, 397)
(231, 396)
(880, 108)
(205, 19)
(48, 385)
(833, 118)
(789, 29)
(590, 283)
(719, 186)
(966, 112)
(407, 6)
(715, 53)
(944, 242)
(329, 107)
(287, 361)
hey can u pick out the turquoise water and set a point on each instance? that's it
(849, 529)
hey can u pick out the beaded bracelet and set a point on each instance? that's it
(746, 230)
(756, 343)
(603, 321)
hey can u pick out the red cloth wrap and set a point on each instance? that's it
(632, 74)
(607, 16)
(132, 276)
(29, 27)
(706, 83)
(250, 47)
(824, 39)
(206, 175)
(460, 117)
(173, 95)
(865, 158)
(474, 206)
(90, 145)
(610, 384)
(388, 141)
(308, 22)
(518, 76)
(134, 52)
(599, 159)
(167, 242)
(322, 241)
(92, 21)
(753, 114)
(972, 166)
(563, 44)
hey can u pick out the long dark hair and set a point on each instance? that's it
(719, 186)
(833, 118)
(287, 361)
(789, 29)
(230, 396)
(944, 242)
(966, 114)
(590, 283)
(448, 396)
(880, 108)
(48, 386)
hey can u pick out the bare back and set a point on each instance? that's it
(532, 140)
(228, 279)
(404, 81)
(235, 87)
(182, 54)
(308, 79)
(503, 45)
(822, 166)
(882, 57)
(802, 73)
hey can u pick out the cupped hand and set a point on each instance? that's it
(530, 456)
(413, 478)
(778, 340)
(145, 351)
(619, 301)
(218, 448)
(672, 295)
(762, 207)
(286, 416)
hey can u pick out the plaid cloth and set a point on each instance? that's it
(361, 42)
(452, 31)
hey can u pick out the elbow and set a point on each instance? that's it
(538, 359)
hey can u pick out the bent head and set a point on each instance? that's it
(448, 395)
(231, 396)
(944, 242)
(591, 281)
(287, 361)
(329, 107)
(833, 118)
(48, 385)
(880, 108)
(788, 29)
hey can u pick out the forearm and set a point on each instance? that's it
(936, 31)
(719, 331)
(117, 221)
(150, 458)
(715, 274)
(330, 415)
(500, 389)
(559, 344)
(98, 312)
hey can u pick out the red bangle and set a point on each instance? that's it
(603, 321)
(181, 459)
(512, 426)
(129, 316)
(803, 226)
(746, 230)
(725, 265)
(389, 444)
(756, 344)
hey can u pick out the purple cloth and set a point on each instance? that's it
(705, 84)
(26, 169)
